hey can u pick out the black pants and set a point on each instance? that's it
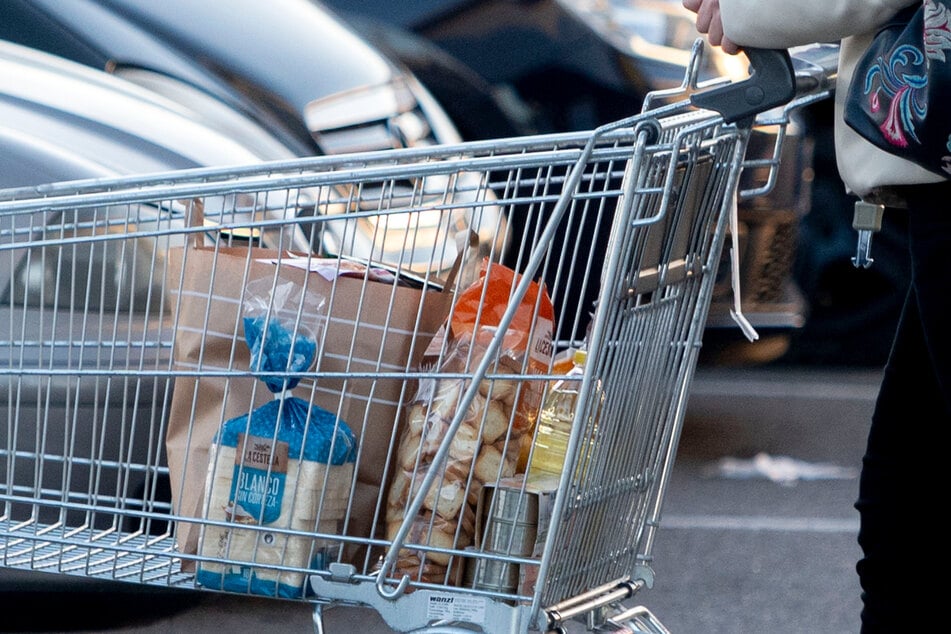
(904, 481)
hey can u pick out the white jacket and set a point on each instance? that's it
(788, 23)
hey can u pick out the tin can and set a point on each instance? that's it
(507, 520)
(496, 575)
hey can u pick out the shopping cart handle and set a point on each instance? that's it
(772, 83)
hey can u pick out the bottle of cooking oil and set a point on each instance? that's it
(554, 423)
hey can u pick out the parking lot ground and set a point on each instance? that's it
(759, 531)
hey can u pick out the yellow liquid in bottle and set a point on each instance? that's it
(554, 426)
(551, 445)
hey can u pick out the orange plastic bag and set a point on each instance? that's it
(528, 339)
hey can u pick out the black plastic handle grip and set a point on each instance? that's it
(772, 83)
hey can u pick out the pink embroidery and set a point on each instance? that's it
(891, 127)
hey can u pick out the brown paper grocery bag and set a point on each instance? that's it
(373, 327)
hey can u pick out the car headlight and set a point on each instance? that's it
(381, 117)
(392, 115)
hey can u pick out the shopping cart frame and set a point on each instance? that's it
(668, 124)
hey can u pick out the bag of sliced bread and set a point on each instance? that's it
(279, 473)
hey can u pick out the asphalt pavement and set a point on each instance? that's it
(758, 533)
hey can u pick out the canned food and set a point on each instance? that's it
(509, 538)
(507, 520)
(493, 575)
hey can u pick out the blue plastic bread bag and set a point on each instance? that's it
(281, 472)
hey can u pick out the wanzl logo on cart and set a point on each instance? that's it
(459, 608)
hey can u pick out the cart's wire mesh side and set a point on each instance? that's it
(85, 373)
(93, 277)
(651, 316)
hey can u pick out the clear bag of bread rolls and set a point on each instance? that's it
(489, 440)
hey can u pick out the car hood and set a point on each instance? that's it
(296, 41)
(299, 52)
(62, 121)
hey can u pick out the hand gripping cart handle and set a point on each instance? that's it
(141, 439)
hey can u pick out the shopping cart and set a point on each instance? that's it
(132, 447)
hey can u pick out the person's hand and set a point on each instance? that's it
(710, 23)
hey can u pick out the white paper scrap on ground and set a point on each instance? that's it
(781, 469)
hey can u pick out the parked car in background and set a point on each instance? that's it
(289, 65)
(496, 69)
(556, 65)
(170, 101)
